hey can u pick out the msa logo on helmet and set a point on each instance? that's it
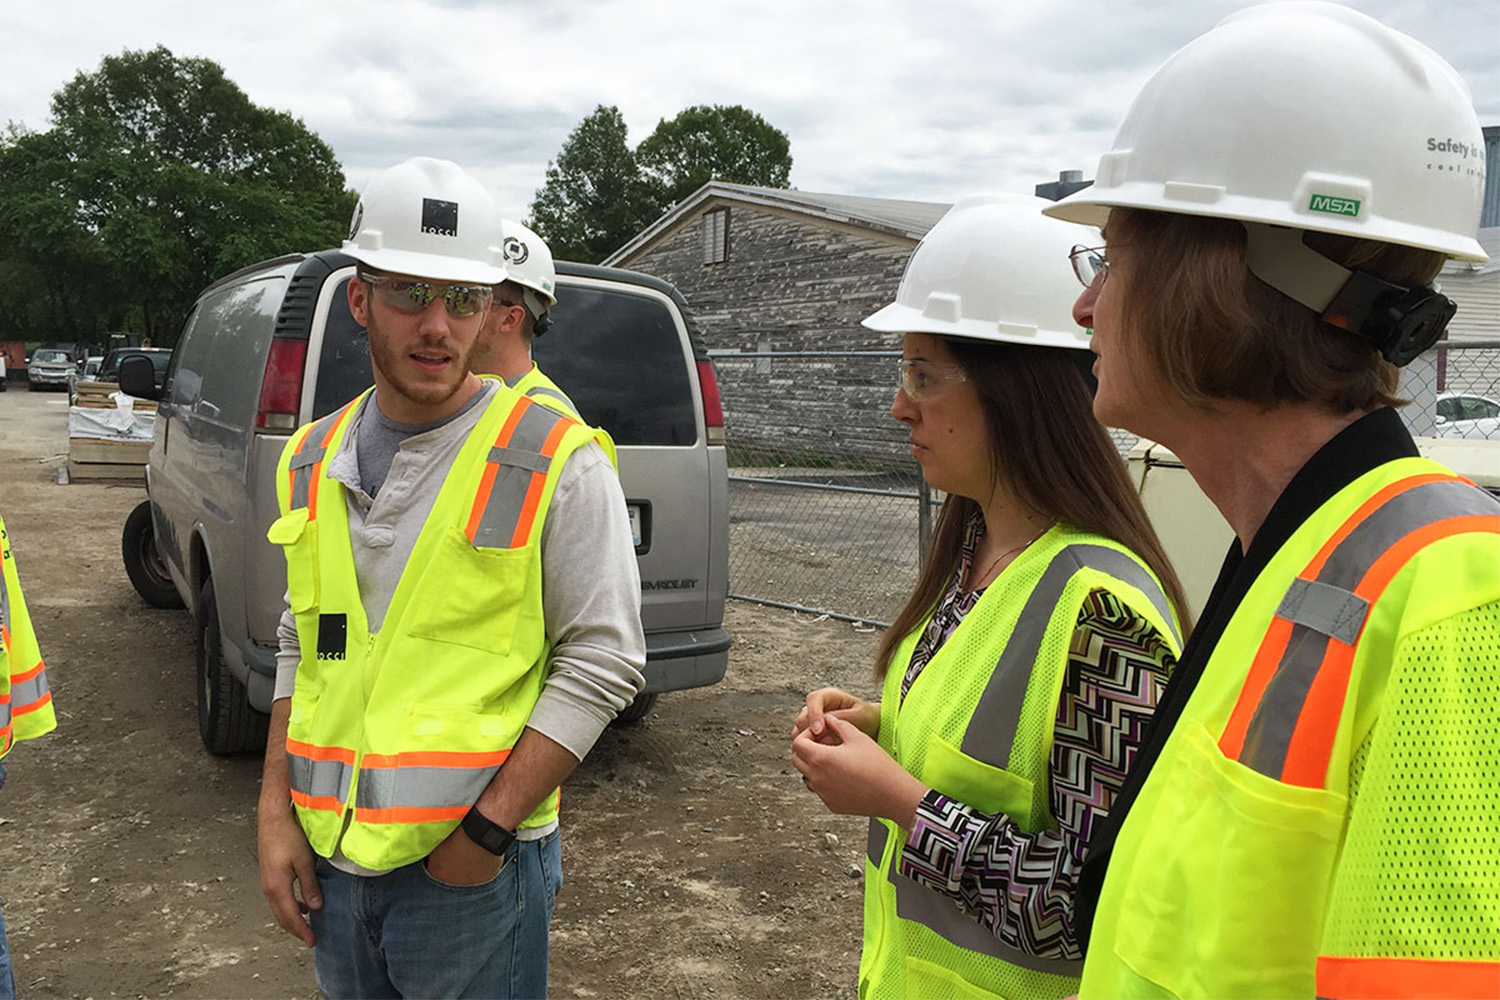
(439, 218)
(1330, 205)
(514, 250)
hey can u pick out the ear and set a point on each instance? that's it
(359, 300)
(512, 318)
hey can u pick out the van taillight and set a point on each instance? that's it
(713, 410)
(281, 391)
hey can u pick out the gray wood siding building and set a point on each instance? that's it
(771, 270)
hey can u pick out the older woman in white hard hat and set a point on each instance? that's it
(1315, 811)
(1021, 671)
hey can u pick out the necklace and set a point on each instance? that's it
(989, 568)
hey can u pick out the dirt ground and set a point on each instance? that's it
(695, 863)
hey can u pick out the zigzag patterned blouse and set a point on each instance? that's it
(1020, 885)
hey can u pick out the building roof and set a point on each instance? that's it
(909, 219)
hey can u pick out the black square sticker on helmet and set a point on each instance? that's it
(439, 217)
(333, 636)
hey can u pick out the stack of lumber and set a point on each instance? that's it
(101, 396)
(98, 446)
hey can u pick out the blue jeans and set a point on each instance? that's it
(405, 934)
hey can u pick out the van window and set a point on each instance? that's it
(229, 340)
(621, 360)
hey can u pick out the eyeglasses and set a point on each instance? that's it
(1089, 264)
(918, 379)
(411, 296)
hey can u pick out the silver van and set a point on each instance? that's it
(273, 346)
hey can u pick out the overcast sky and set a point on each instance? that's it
(888, 98)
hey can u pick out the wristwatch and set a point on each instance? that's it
(486, 832)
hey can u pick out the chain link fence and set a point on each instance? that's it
(829, 513)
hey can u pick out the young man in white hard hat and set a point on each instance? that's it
(463, 620)
(518, 315)
(1314, 811)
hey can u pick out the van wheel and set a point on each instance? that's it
(143, 563)
(226, 722)
(637, 709)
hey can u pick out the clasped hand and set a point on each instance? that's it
(834, 748)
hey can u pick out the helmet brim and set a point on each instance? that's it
(426, 265)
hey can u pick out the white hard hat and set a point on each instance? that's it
(528, 261)
(1308, 115)
(428, 218)
(993, 268)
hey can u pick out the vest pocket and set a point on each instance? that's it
(472, 597)
(298, 538)
(1228, 883)
(974, 783)
(929, 979)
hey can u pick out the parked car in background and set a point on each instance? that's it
(3, 379)
(160, 358)
(87, 372)
(274, 346)
(50, 368)
(1467, 415)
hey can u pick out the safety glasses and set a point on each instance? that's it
(412, 296)
(1089, 264)
(920, 379)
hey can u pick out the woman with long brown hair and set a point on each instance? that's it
(1019, 676)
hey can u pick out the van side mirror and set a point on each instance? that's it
(138, 378)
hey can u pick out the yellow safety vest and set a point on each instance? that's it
(393, 736)
(26, 710)
(1229, 876)
(536, 386)
(977, 726)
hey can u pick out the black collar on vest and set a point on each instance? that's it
(1369, 442)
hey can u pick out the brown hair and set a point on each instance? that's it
(1057, 460)
(1213, 331)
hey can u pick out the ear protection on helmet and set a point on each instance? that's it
(541, 325)
(1400, 322)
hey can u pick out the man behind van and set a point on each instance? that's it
(462, 594)
(519, 314)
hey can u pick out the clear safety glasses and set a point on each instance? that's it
(409, 295)
(1089, 264)
(920, 379)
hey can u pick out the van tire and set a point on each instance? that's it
(226, 721)
(637, 709)
(143, 563)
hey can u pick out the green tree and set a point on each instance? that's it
(594, 198)
(157, 177)
(714, 142)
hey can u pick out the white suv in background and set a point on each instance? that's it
(273, 346)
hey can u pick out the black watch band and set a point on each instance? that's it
(486, 832)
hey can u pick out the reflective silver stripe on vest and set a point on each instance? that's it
(311, 454)
(1333, 611)
(518, 460)
(421, 787)
(542, 390)
(4, 601)
(941, 915)
(992, 729)
(319, 779)
(29, 692)
(875, 841)
(1269, 734)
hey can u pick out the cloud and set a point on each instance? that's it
(879, 97)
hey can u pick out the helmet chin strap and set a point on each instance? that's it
(1399, 322)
